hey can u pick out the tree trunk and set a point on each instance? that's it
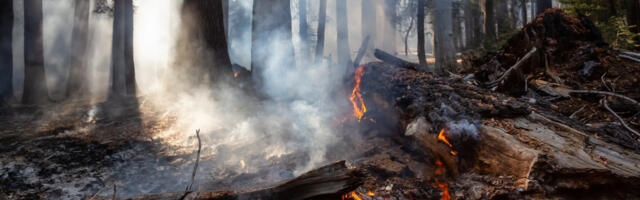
(422, 57)
(389, 26)
(6, 55)
(322, 16)
(123, 80)
(369, 15)
(77, 84)
(344, 51)
(35, 87)
(202, 26)
(489, 25)
(444, 48)
(468, 23)
(225, 17)
(129, 67)
(533, 9)
(271, 32)
(542, 5)
(457, 30)
(406, 36)
(304, 29)
(502, 18)
(523, 12)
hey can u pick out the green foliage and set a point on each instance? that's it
(617, 33)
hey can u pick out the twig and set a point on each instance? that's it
(606, 93)
(606, 106)
(115, 196)
(604, 83)
(506, 73)
(629, 57)
(195, 167)
(573, 115)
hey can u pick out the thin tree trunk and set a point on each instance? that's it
(225, 16)
(6, 55)
(389, 26)
(304, 29)
(502, 17)
(35, 87)
(542, 5)
(118, 85)
(489, 25)
(322, 16)
(445, 50)
(77, 84)
(523, 12)
(534, 13)
(406, 36)
(422, 58)
(369, 18)
(271, 32)
(344, 51)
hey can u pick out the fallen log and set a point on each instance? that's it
(328, 182)
(395, 61)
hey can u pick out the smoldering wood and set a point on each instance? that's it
(395, 61)
(327, 182)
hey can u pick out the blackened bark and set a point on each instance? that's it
(118, 83)
(271, 32)
(523, 11)
(344, 51)
(35, 87)
(77, 84)
(422, 58)
(129, 67)
(6, 55)
(322, 17)
(542, 5)
(489, 24)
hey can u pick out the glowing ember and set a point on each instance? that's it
(235, 75)
(352, 195)
(369, 193)
(442, 138)
(443, 186)
(356, 98)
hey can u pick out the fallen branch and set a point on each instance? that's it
(398, 62)
(606, 93)
(516, 66)
(629, 57)
(573, 115)
(195, 167)
(624, 124)
(361, 51)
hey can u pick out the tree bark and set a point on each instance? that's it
(406, 36)
(422, 57)
(369, 18)
(344, 51)
(444, 48)
(389, 26)
(203, 26)
(77, 82)
(129, 67)
(271, 31)
(523, 12)
(489, 25)
(123, 82)
(542, 5)
(35, 87)
(304, 29)
(322, 16)
(502, 18)
(6, 55)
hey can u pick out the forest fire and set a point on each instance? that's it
(356, 97)
(443, 138)
(442, 185)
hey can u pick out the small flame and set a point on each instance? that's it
(442, 138)
(356, 98)
(352, 195)
(443, 186)
(235, 75)
(369, 193)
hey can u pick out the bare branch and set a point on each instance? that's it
(506, 73)
(195, 167)
(624, 124)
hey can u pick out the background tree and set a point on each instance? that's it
(123, 80)
(490, 37)
(77, 82)
(322, 18)
(442, 33)
(542, 5)
(389, 27)
(303, 28)
(523, 12)
(422, 57)
(35, 87)
(6, 55)
(344, 51)
(271, 32)
(369, 18)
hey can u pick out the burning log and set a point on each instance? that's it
(328, 182)
(395, 61)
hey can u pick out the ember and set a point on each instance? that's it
(356, 97)
(443, 138)
(442, 185)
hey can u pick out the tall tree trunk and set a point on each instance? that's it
(271, 31)
(322, 16)
(542, 5)
(344, 51)
(523, 12)
(534, 13)
(489, 25)
(35, 87)
(443, 41)
(612, 8)
(468, 23)
(123, 80)
(304, 29)
(513, 11)
(422, 57)
(6, 55)
(633, 17)
(457, 30)
(502, 18)
(369, 15)
(203, 26)
(129, 67)
(389, 26)
(225, 17)
(77, 84)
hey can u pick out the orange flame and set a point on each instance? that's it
(356, 98)
(443, 186)
(235, 75)
(442, 138)
(369, 193)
